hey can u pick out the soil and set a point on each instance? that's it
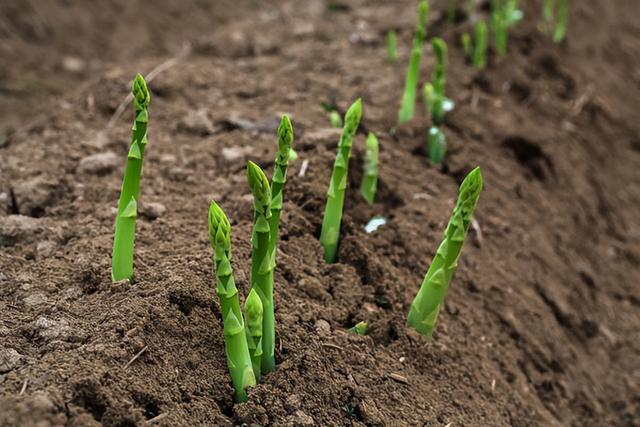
(541, 325)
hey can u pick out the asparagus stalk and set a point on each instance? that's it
(125, 228)
(392, 46)
(467, 48)
(335, 195)
(370, 179)
(427, 303)
(547, 13)
(561, 22)
(263, 260)
(254, 314)
(360, 328)
(437, 108)
(238, 359)
(411, 81)
(480, 45)
(437, 145)
(237, 350)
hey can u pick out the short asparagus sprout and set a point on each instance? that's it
(360, 328)
(263, 259)
(253, 313)
(548, 7)
(437, 146)
(330, 233)
(335, 119)
(238, 357)
(370, 179)
(392, 46)
(467, 46)
(427, 303)
(561, 21)
(480, 45)
(438, 80)
(125, 228)
(504, 14)
(411, 80)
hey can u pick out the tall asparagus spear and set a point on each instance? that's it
(335, 195)
(262, 260)
(427, 303)
(413, 71)
(125, 230)
(238, 358)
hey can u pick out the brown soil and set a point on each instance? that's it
(541, 324)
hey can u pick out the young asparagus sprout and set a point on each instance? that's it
(561, 21)
(437, 145)
(411, 81)
(504, 15)
(438, 80)
(125, 229)
(263, 260)
(547, 14)
(335, 119)
(467, 47)
(370, 178)
(427, 303)
(392, 46)
(480, 45)
(254, 314)
(360, 328)
(335, 195)
(238, 357)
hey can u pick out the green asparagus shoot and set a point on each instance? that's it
(335, 119)
(480, 45)
(427, 303)
(263, 260)
(438, 80)
(411, 81)
(504, 15)
(360, 328)
(467, 47)
(238, 358)
(561, 21)
(437, 146)
(548, 7)
(125, 229)
(392, 46)
(370, 178)
(254, 315)
(335, 195)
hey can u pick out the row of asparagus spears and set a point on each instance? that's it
(250, 332)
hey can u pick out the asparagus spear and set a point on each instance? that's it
(370, 178)
(427, 303)
(263, 260)
(392, 46)
(480, 45)
(411, 81)
(253, 314)
(335, 195)
(125, 229)
(237, 350)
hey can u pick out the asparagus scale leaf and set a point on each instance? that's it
(125, 228)
(427, 303)
(263, 260)
(370, 179)
(236, 347)
(330, 233)
(413, 71)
